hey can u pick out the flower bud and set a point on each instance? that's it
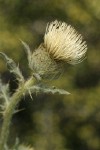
(44, 65)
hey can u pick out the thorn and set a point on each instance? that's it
(16, 111)
(37, 76)
(30, 94)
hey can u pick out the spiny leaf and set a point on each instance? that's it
(4, 95)
(29, 57)
(45, 89)
(13, 68)
(27, 48)
(28, 52)
(4, 91)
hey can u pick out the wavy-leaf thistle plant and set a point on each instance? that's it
(62, 44)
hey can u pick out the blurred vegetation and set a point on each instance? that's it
(52, 122)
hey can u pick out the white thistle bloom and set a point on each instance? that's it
(64, 43)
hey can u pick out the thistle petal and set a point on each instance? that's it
(64, 43)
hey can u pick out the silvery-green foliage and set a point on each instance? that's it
(40, 88)
(29, 54)
(61, 44)
(47, 89)
(4, 96)
(9, 102)
(12, 67)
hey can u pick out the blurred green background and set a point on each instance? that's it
(55, 122)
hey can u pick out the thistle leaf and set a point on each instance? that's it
(13, 68)
(28, 52)
(4, 90)
(4, 96)
(45, 89)
(27, 48)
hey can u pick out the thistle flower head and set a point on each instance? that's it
(64, 43)
(61, 44)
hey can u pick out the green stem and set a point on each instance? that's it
(14, 100)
